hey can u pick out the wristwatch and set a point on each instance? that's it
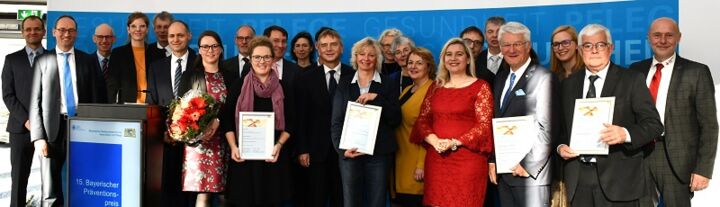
(455, 144)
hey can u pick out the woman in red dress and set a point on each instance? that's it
(455, 127)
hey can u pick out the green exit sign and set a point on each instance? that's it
(24, 13)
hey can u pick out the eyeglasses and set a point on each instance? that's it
(104, 37)
(135, 26)
(258, 58)
(600, 46)
(241, 38)
(470, 42)
(402, 52)
(63, 30)
(564, 43)
(513, 45)
(215, 47)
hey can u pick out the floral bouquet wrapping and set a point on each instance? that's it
(190, 115)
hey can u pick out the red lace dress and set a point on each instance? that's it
(204, 165)
(457, 178)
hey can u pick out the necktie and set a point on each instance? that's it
(68, 86)
(655, 82)
(332, 84)
(32, 58)
(503, 104)
(178, 75)
(275, 67)
(591, 89)
(494, 63)
(105, 68)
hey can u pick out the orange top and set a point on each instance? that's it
(139, 54)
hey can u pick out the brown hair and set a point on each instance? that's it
(427, 57)
(555, 63)
(137, 15)
(261, 41)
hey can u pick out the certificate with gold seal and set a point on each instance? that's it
(588, 118)
(514, 137)
(360, 127)
(256, 136)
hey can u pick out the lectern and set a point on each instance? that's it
(115, 155)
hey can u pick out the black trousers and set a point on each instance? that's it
(171, 193)
(21, 157)
(51, 168)
(588, 192)
(323, 183)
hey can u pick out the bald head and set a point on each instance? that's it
(664, 36)
(104, 38)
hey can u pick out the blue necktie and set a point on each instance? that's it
(68, 86)
(503, 104)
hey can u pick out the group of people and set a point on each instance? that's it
(434, 143)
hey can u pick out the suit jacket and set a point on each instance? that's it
(94, 61)
(387, 98)
(122, 80)
(691, 127)
(156, 52)
(621, 172)
(233, 65)
(315, 111)
(17, 76)
(45, 96)
(532, 95)
(160, 79)
(481, 70)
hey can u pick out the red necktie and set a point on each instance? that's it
(655, 83)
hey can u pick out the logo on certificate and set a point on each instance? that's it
(253, 122)
(129, 132)
(507, 130)
(588, 110)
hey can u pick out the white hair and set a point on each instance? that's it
(394, 32)
(514, 28)
(401, 40)
(592, 29)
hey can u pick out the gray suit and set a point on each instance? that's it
(691, 131)
(45, 118)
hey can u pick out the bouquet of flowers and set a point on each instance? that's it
(191, 114)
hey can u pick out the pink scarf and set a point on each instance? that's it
(252, 86)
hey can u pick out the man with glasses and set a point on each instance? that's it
(17, 76)
(618, 178)
(474, 39)
(316, 153)
(103, 39)
(241, 62)
(63, 78)
(524, 88)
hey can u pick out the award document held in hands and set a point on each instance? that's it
(360, 127)
(514, 137)
(256, 135)
(588, 118)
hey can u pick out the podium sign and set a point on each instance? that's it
(104, 159)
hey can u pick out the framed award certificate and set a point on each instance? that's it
(589, 116)
(512, 137)
(256, 135)
(360, 127)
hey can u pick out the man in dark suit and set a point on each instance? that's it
(17, 77)
(474, 39)
(524, 89)
(241, 62)
(286, 69)
(161, 22)
(104, 39)
(682, 160)
(491, 58)
(127, 82)
(314, 145)
(616, 179)
(163, 85)
(63, 75)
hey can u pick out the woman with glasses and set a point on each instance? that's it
(401, 48)
(303, 50)
(365, 177)
(454, 126)
(565, 58)
(204, 163)
(259, 182)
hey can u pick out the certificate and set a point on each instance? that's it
(360, 127)
(589, 116)
(512, 137)
(256, 135)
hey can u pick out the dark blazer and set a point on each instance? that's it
(45, 97)
(536, 87)
(387, 98)
(621, 172)
(314, 111)
(233, 65)
(156, 52)
(17, 76)
(122, 81)
(194, 78)
(481, 70)
(160, 80)
(691, 127)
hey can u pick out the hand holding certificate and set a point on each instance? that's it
(589, 118)
(256, 135)
(511, 136)
(360, 127)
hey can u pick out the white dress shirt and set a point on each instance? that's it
(241, 62)
(336, 76)
(174, 64)
(168, 50)
(364, 90)
(279, 68)
(518, 74)
(599, 84)
(61, 74)
(101, 58)
(662, 92)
